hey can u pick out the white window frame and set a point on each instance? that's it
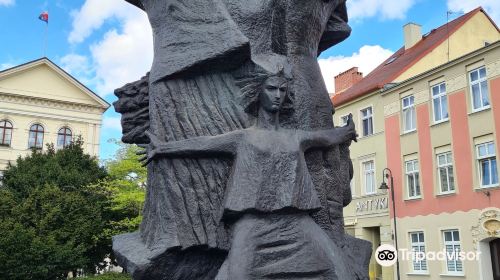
(369, 173)
(454, 261)
(369, 118)
(419, 266)
(444, 162)
(414, 173)
(442, 98)
(482, 94)
(490, 156)
(410, 107)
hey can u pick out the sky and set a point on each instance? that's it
(108, 43)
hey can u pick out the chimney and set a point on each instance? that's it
(413, 34)
(347, 79)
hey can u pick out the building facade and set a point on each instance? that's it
(428, 114)
(39, 104)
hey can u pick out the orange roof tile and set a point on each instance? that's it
(403, 59)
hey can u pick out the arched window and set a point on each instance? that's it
(36, 137)
(64, 136)
(5, 133)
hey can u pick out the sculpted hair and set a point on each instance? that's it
(250, 81)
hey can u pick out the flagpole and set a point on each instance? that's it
(46, 32)
(44, 16)
(45, 40)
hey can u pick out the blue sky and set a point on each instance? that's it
(107, 43)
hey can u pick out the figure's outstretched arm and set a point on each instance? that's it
(193, 147)
(330, 137)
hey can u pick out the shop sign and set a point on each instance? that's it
(372, 204)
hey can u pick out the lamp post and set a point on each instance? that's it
(387, 174)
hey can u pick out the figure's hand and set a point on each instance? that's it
(150, 150)
(351, 130)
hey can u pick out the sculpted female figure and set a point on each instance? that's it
(201, 50)
(270, 193)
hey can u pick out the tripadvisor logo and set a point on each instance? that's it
(386, 255)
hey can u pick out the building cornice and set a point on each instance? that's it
(50, 103)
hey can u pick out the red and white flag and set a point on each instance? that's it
(44, 17)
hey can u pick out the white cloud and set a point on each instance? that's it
(111, 123)
(78, 66)
(386, 9)
(94, 13)
(7, 2)
(125, 52)
(492, 7)
(367, 59)
(123, 57)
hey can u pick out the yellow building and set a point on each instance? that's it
(40, 103)
(410, 120)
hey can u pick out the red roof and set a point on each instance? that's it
(403, 59)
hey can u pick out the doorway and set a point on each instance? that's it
(495, 258)
(372, 234)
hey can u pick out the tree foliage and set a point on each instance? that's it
(69, 169)
(59, 210)
(111, 276)
(127, 180)
(126, 166)
(51, 218)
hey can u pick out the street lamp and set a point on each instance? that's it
(387, 174)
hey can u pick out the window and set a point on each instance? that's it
(487, 161)
(439, 102)
(367, 121)
(445, 172)
(5, 133)
(452, 247)
(418, 247)
(369, 176)
(36, 137)
(412, 179)
(64, 136)
(409, 119)
(344, 119)
(479, 89)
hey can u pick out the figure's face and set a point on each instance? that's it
(273, 94)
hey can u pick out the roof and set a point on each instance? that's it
(433, 71)
(403, 59)
(44, 60)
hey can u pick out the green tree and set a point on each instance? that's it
(53, 215)
(126, 166)
(111, 276)
(52, 232)
(69, 169)
(59, 210)
(127, 180)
